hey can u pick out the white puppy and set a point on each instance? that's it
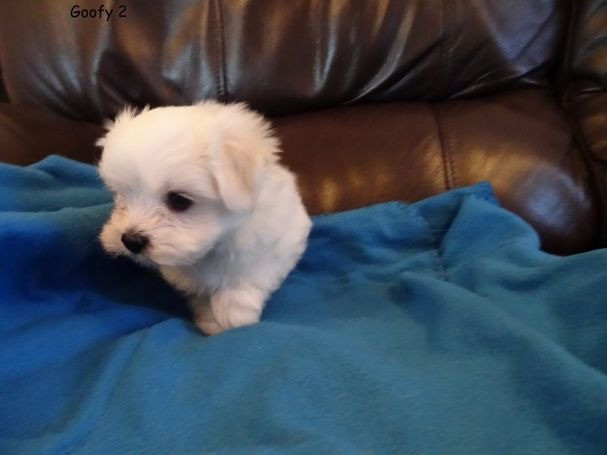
(200, 195)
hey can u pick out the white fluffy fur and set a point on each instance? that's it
(247, 227)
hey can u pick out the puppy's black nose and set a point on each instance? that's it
(135, 243)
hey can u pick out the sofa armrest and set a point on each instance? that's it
(586, 93)
(28, 134)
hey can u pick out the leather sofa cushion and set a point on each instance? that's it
(280, 56)
(28, 134)
(350, 157)
(520, 141)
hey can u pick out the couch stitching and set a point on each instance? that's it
(447, 162)
(219, 50)
(449, 153)
(446, 140)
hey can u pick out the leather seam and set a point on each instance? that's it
(219, 51)
(450, 153)
(446, 147)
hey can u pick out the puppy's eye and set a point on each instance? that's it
(178, 202)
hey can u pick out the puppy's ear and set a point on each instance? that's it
(235, 172)
(100, 142)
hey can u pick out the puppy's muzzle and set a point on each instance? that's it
(134, 242)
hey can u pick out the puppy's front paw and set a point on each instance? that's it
(205, 320)
(228, 308)
(236, 307)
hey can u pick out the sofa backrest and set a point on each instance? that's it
(281, 56)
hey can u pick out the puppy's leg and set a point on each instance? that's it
(203, 315)
(237, 307)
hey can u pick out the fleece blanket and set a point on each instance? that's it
(431, 328)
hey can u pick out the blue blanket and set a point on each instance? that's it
(432, 328)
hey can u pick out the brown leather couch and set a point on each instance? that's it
(374, 100)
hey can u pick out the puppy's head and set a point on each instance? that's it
(182, 177)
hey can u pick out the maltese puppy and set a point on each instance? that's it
(200, 195)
